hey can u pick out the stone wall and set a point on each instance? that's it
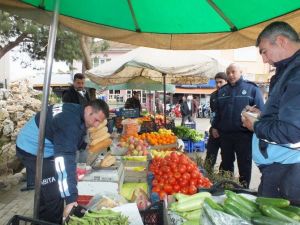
(17, 105)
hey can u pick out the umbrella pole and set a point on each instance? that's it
(42, 123)
(165, 113)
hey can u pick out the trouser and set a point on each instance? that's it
(28, 161)
(280, 181)
(213, 145)
(190, 118)
(239, 144)
(51, 203)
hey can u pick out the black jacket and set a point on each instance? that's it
(280, 121)
(133, 103)
(73, 96)
(231, 101)
(213, 101)
(184, 109)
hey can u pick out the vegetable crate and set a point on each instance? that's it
(187, 145)
(154, 215)
(22, 220)
(197, 146)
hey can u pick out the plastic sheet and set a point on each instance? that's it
(214, 217)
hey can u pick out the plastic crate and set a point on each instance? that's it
(22, 220)
(187, 145)
(197, 146)
(154, 215)
(84, 199)
(131, 113)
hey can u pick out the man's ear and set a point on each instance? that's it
(281, 41)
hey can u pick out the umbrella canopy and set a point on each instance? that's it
(143, 83)
(180, 67)
(168, 24)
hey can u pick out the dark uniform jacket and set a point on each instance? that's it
(64, 134)
(133, 103)
(280, 120)
(73, 96)
(230, 103)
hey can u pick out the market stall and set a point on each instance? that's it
(144, 168)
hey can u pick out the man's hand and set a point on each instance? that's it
(252, 109)
(248, 120)
(68, 209)
(215, 133)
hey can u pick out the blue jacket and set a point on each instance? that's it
(279, 125)
(64, 133)
(230, 103)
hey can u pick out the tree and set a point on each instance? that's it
(32, 38)
(89, 46)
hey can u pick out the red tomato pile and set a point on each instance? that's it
(176, 173)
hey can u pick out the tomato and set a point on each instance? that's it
(192, 190)
(194, 182)
(172, 180)
(165, 176)
(174, 155)
(183, 159)
(177, 175)
(173, 166)
(168, 189)
(176, 188)
(175, 160)
(182, 169)
(165, 169)
(195, 174)
(183, 182)
(186, 176)
(162, 195)
(156, 189)
(184, 190)
(189, 168)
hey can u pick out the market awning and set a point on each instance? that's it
(168, 24)
(180, 67)
(197, 91)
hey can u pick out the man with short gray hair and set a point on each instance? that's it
(235, 139)
(276, 140)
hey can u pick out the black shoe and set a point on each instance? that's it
(29, 188)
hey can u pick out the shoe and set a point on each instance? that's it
(29, 188)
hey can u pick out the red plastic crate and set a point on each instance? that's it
(84, 199)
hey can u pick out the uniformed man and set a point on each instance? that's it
(235, 139)
(66, 126)
(213, 143)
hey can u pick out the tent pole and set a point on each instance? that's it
(165, 112)
(42, 122)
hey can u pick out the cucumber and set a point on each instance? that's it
(241, 210)
(293, 209)
(290, 214)
(277, 202)
(264, 220)
(197, 196)
(272, 212)
(248, 204)
(232, 211)
(191, 222)
(213, 204)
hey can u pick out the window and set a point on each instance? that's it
(129, 94)
(115, 94)
(143, 97)
(96, 62)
